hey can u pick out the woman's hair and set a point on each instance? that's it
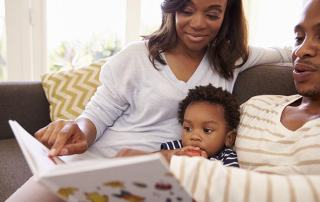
(212, 95)
(229, 46)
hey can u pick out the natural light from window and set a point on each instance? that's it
(3, 52)
(82, 31)
(150, 16)
(93, 29)
(271, 22)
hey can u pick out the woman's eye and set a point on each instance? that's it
(186, 12)
(187, 129)
(207, 130)
(213, 16)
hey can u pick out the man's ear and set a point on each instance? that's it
(230, 138)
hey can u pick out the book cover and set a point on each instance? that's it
(127, 179)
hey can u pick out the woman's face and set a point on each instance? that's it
(199, 22)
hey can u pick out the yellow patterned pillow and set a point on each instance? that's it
(69, 91)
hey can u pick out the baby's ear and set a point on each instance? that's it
(230, 138)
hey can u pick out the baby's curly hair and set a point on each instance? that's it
(213, 95)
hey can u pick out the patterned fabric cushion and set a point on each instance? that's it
(69, 91)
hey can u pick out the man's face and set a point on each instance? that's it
(306, 53)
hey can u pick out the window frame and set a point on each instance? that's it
(26, 36)
(26, 52)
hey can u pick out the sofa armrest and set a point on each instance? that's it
(270, 79)
(24, 102)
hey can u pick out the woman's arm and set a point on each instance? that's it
(259, 55)
(211, 181)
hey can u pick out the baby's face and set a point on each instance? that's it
(204, 126)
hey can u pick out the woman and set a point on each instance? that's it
(199, 42)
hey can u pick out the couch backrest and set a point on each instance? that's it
(24, 102)
(271, 79)
(27, 103)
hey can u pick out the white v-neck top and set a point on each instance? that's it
(196, 77)
(136, 105)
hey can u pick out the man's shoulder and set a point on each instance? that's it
(269, 100)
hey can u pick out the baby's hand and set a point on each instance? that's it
(193, 151)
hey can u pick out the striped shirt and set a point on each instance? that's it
(280, 150)
(288, 161)
(226, 155)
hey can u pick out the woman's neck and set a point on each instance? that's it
(182, 51)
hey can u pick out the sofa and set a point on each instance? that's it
(26, 103)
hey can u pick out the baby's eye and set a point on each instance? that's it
(187, 129)
(208, 130)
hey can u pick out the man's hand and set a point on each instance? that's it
(63, 137)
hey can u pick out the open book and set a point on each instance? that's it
(129, 179)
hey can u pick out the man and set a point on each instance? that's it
(277, 135)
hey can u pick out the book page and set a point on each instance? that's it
(35, 152)
(138, 178)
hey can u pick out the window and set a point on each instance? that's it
(3, 49)
(271, 22)
(78, 35)
(150, 16)
(95, 29)
(37, 36)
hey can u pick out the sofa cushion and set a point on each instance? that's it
(14, 170)
(69, 91)
(269, 79)
(25, 102)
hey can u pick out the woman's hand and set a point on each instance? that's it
(63, 137)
